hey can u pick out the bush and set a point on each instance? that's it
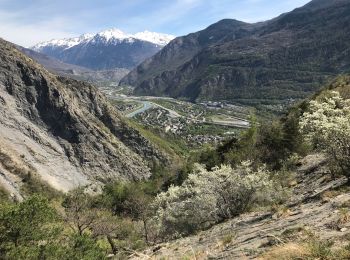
(271, 144)
(27, 228)
(208, 197)
(4, 196)
(32, 229)
(80, 247)
(327, 126)
(278, 140)
(243, 148)
(131, 200)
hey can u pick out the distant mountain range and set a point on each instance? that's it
(105, 50)
(101, 77)
(288, 57)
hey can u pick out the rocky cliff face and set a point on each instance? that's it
(63, 130)
(287, 57)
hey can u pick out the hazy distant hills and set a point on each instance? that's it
(106, 50)
(53, 64)
(76, 72)
(287, 57)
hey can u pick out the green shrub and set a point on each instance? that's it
(132, 200)
(270, 143)
(33, 184)
(327, 126)
(27, 228)
(4, 196)
(81, 247)
(208, 197)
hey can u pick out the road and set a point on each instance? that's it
(231, 121)
(234, 123)
(146, 105)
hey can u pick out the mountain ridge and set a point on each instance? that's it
(110, 34)
(109, 49)
(288, 57)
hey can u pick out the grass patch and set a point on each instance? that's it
(13, 165)
(175, 148)
(4, 195)
(33, 184)
(209, 129)
(227, 239)
(308, 246)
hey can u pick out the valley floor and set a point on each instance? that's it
(196, 124)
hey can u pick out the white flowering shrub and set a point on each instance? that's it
(208, 197)
(327, 126)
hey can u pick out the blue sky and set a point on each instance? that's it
(27, 22)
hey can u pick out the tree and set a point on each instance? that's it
(32, 229)
(271, 144)
(27, 229)
(327, 126)
(79, 215)
(77, 247)
(131, 200)
(85, 219)
(244, 148)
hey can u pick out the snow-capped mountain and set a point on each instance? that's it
(109, 36)
(108, 49)
(156, 38)
(63, 43)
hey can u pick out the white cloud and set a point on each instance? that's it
(28, 34)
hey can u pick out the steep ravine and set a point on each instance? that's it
(64, 131)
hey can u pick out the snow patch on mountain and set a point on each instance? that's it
(64, 43)
(108, 36)
(113, 34)
(156, 38)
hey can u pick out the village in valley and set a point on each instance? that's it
(196, 124)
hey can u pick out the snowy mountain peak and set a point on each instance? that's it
(113, 33)
(65, 43)
(110, 35)
(156, 38)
